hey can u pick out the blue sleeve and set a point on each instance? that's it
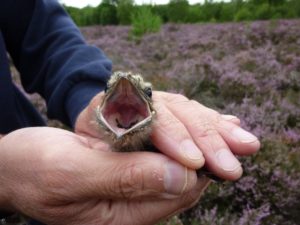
(52, 56)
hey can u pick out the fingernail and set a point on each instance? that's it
(190, 150)
(227, 161)
(229, 117)
(175, 180)
(243, 135)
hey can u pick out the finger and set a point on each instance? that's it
(200, 122)
(86, 121)
(167, 133)
(114, 175)
(231, 118)
(151, 212)
(240, 141)
(171, 137)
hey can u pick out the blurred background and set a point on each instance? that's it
(238, 57)
(124, 12)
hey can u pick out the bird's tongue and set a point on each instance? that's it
(128, 116)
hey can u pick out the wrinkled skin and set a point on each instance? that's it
(182, 124)
(60, 177)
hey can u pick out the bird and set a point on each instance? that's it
(126, 114)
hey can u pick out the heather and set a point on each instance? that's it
(251, 70)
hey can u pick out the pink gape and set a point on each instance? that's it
(125, 107)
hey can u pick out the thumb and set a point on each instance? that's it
(151, 212)
(115, 175)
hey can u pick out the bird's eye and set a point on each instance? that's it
(148, 92)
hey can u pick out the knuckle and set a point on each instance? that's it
(166, 120)
(202, 113)
(204, 129)
(216, 117)
(213, 115)
(131, 181)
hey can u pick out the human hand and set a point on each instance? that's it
(54, 176)
(185, 130)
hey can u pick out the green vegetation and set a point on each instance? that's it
(113, 12)
(178, 11)
(125, 10)
(144, 21)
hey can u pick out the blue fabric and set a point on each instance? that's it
(53, 60)
(15, 110)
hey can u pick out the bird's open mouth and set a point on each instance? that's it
(124, 109)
